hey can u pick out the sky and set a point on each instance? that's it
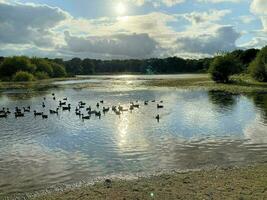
(130, 29)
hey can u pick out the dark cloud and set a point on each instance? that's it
(223, 39)
(130, 45)
(28, 24)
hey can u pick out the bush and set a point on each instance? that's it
(258, 68)
(222, 67)
(58, 70)
(22, 76)
(14, 64)
(41, 75)
(43, 65)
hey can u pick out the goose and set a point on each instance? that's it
(54, 111)
(18, 110)
(66, 108)
(76, 109)
(105, 109)
(26, 109)
(65, 99)
(43, 105)
(53, 94)
(146, 103)
(92, 112)
(102, 101)
(54, 98)
(157, 117)
(160, 106)
(44, 116)
(85, 117)
(98, 114)
(62, 103)
(7, 111)
(89, 108)
(19, 115)
(97, 105)
(82, 103)
(131, 107)
(78, 113)
(37, 113)
(153, 101)
(4, 115)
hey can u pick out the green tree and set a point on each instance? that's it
(43, 65)
(258, 67)
(58, 70)
(222, 67)
(14, 64)
(22, 76)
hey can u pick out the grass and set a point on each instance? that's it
(238, 84)
(229, 183)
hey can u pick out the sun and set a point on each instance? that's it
(121, 9)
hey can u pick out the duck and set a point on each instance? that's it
(17, 110)
(160, 106)
(54, 98)
(98, 114)
(89, 108)
(82, 103)
(44, 116)
(53, 94)
(157, 117)
(65, 99)
(27, 109)
(85, 117)
(78, 113)
(66, 108)
(54, 111)
(37, 113)
(102, 101)
(62, 103)
(97, 105)
(105, 110)
(19, 114)
(4, 115)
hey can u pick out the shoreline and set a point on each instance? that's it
(245, 182)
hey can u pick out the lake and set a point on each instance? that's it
(197, 129)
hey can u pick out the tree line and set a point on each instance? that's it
(22, 68)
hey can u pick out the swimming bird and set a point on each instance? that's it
(54, 111)
(43, 105)
(4, 115)
(97, 105)
(160, 106)
(157, 117)
(65, 99)
(37, 113)
(66, 108)
(102, 101)
(105, 110)
(26, 109)
(85, 117)
(19, 114)
(44, 116)
(62, 103)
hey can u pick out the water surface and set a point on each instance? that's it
(197, 129)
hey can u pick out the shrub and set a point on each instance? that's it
(22, 76)
(14, 64)
(222, 67)
(58, 70)
(41, 75)
(258, 68)
(43, 65)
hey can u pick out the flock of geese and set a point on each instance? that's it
(80, 109)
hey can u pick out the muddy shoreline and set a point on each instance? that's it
(247, 182)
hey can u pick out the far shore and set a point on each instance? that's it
(239, 84)
(248, 182)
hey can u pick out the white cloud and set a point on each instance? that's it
(259, 7)
(220, 1)
(31, 24)
(247, 19)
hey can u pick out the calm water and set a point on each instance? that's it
(197, 129)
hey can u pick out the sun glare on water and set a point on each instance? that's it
(121, 9)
